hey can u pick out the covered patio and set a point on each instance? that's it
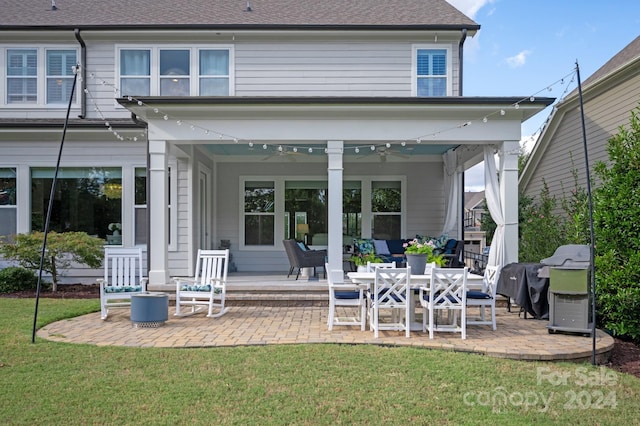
(207, 154)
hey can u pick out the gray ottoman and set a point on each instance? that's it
(149, 309)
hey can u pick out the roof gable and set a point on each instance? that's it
(234, 13)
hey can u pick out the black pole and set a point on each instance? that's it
(591, 232)
(50, 207)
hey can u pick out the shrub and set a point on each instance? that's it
(617, 233)
(62, 249)
(15, 278)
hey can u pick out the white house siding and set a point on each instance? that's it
(604, 114)
(322, 66)
(78, 152)
(423, 189)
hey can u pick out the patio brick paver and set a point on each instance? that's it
(517, 338)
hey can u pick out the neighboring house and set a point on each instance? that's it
(609, 96)
(474, 208)
(228, 123)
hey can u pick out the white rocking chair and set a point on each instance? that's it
(122, 278)
(207, 288)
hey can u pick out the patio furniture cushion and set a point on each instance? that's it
(122, 289)
(364, 245)
(381, 247)
(476, 294)
(347, 294)
(195, 287)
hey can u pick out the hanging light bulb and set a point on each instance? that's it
(140, 103)
(264, 146)
(373, 148)
(326, 150)
(155, 110)
(485, 119)
(532, 99)
(250, 144)
(206, 131)
(357, 150)
(403, 143)
(418, 140)
(295, 149)
(179, 122)
(502, 112)
(279, 148)
(310, 150)
(166, 117)
(388, 145)
(517, 106)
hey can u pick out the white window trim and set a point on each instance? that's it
(41, 100)
(194, 76)
(414, 65)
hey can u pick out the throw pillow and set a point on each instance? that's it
(381, 247)
(302, 246)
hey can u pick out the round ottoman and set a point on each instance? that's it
(149, 309)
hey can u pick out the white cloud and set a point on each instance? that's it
(470, 7)
(518, 60)
(474, 178)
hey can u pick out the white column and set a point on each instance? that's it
(334, 177)
(158, 217)
(508, 173)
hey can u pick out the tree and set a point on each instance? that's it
(62, 250)
(617, 233)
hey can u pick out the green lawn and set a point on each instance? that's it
(58, 383)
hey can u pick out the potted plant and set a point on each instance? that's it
(361, 260)
(419, 253)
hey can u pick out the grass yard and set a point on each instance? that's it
(57, 383)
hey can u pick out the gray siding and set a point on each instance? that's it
(314, 67)
(604, 114)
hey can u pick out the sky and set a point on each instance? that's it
(525, 47)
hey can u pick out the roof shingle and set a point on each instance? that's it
(231, 13)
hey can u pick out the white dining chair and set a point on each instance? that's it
(345, 295)
(485, 298)
(391, 291)
(447, 291)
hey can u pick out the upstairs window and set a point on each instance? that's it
(431, 72)
(135, 72)
(60, 65)
(175, 72)
(40, 76)
(22, 76)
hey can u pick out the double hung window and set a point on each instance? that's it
(431, 72)
(386, 209)
(24, 75)
(194, 71)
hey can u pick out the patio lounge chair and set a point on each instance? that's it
(302, 257)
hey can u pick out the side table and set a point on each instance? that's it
(149, 310)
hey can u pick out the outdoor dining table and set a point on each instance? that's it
(367, 279)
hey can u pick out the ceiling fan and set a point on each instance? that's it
(383, 152)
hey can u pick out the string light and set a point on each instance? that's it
(284, 148)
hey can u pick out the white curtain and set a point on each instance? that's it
(494, 204)
(451, 192)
